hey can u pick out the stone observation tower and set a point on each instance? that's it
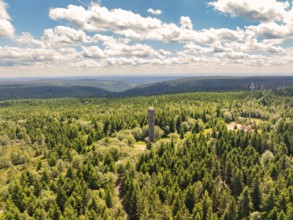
(151, 117)
(252, 88)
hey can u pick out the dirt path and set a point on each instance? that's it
(117, 190)
(141, 147)
(231, 126)
(118, 193)
(138, 148)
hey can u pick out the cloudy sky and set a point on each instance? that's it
(132, 37)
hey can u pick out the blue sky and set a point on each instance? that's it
(115, 37)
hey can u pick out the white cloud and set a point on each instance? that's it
(272, 30)
(103, 38)
(192, 48)
(92, 52)
(211, 36)
(10, 56)
(164, 32)
(252, 10)
(154, 12)
(85, 64)
(134, 26)
(275, 17)
(186, 22)
(137, 50)
(165, 52)
(3, 12)
(27, 39)
(121, 22)
(77, 15)
(123, 61)
(236, 55)
(98, 18)
(121, 38)
(6, 28)
(62, 35)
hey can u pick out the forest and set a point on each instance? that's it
(211, 84)
(87, 158)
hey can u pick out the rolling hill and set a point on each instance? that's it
(197, 84)
(25, 92)
(136, 86)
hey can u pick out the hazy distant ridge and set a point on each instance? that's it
(84, 87)
(196, 84)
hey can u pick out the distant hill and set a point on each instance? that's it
(196, 84)
(71, 87)
(110, 85)
(136, 86)
(17, 92)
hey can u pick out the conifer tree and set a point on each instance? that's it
(244, 204)
(237, 182)
(256, 195)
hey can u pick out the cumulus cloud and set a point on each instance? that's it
(134, 26)
(136, 50)
(89, 63)
(251, 10)
(3, 12)
(186, 22)
(27, 56)
(275, 17)
(92, 52)
(6, 28)
(192, 48)
(62, 35)
(271, 30)
(98, 18)
(27, 39)
(154, 12)
(122, 22)
(97, 37)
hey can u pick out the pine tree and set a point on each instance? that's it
(190, 198)
(181, 133)
(281, 216)
(149, 145)
(269, 203)
(256, 195)
(244, 204)
(89, 140)
(231, 212)
(273, 214)
(109, 198)
(206, 203)
(274, 172)
(69, 212)
(283, 200)
(237, 182)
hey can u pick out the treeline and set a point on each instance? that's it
(8, 92)
(81, 159)
(204, 84)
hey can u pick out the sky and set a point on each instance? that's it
(42, 38)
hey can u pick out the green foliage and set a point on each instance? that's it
(81, 159)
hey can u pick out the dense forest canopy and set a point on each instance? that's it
(87, 159)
